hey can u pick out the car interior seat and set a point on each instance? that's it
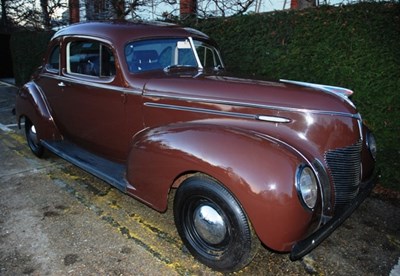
(145, 60)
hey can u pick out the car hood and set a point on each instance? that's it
(231, 90)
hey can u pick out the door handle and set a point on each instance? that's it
(61, 84)
(123, 98)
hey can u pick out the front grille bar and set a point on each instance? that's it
(345, 167)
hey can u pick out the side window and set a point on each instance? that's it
(90, 58)
(208, 56)
(53, 63)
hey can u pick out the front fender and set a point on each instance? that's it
(259, 172)
(31, 103)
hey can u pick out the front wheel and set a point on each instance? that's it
(32, 139)
(213, 225)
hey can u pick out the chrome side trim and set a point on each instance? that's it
(261, 106)
(201, 110)
(273, 119)
(265, 118)
(97, 84)
(196, 99)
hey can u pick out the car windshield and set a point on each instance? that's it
(165, 54)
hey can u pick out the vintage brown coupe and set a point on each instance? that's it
(149, 108)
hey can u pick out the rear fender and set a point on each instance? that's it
(31, 104)
(259, 172)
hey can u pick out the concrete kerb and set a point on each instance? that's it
(7, 81)
(7, 96)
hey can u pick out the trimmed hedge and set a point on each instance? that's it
(27, 50)
(355, 46)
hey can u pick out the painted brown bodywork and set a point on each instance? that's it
(164, 126)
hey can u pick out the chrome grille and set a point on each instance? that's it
(345, 167)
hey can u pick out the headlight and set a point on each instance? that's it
(307, 187)
(371, 144)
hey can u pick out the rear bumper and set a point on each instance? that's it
(305, 246)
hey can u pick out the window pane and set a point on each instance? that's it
(90, 58)
(208, 55)
(54, 60)
(84, 58)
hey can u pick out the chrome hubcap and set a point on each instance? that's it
(209, 224)
(32, 135)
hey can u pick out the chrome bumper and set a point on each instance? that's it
(303, 247)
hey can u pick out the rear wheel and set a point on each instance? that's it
(213, 225)
(32, 139)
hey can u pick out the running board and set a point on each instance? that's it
(111, 172)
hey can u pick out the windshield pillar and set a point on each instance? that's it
(199, 64)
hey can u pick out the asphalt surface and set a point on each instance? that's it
(55, 219)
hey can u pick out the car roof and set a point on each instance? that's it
(117, 30)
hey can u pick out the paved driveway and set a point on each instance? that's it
(56, 219)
